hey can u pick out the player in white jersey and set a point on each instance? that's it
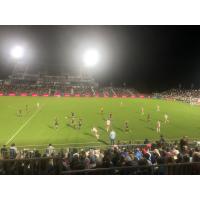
(158, 108)
(108, 124)
(142, 111)
(121, 103)
(95, 132)
(158, 126)
(38, 105)
(166, 118)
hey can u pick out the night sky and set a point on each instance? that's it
(148, 58)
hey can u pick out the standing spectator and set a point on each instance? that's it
(13, 151)
(146, 141)
(4, 152)
(112, 137)
(162, 141)
(50, 150)
(138, 154)
(183, 142)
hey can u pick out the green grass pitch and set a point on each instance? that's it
(35, 127)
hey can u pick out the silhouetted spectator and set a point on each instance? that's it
(4, 152)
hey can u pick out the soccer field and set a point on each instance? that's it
(35, 127)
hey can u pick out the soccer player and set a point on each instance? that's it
(121, 103)
(108, 124)
(148, 117)
(72, 114)
(126, 127)
(73, 122)
(95, 132)
(142, 111)
(166, 118)
(101, 110)
(56, 123)
(110, 116)
(19, 113)
(67, 122)
(158, 127)
(158, 108)
(79, 123)
(26, 108)
(38, 105)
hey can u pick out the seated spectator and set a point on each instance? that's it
(13, 151)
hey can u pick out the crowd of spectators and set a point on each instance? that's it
(180, 94)
(54, 89)
(54, 161)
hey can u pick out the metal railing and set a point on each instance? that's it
(135, 142)
(164, 169)
(46, 166)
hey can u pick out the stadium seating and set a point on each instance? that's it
(26, 89)
(180, 95)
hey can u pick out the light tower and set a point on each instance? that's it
(19, 67)
(91, 58)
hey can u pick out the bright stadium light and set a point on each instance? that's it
(17, 52)
(91, 58)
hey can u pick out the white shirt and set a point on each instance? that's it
(108, 122)
(112, 135)
(50, 150)
(94, 130)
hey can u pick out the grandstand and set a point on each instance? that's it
(191, 96)
(26, 84)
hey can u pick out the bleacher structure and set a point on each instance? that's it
(22, 83)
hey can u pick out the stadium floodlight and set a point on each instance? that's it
(17, 52)
(91, 57)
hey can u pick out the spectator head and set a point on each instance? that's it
(186, 158)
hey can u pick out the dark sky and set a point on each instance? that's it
(148, 58)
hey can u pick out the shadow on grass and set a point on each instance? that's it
(102, 141)
(70, 126)
(101, 128)
(103, 118)
(143, 120)
(89, 134)
(50, 126)
(150, 128)
(119, 129)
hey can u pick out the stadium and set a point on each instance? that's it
(72, 124)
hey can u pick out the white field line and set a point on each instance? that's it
(66, 144)
(23, 125)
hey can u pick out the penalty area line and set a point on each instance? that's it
(23, 125)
